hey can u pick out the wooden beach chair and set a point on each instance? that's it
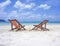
(16, 25)
(40, 26)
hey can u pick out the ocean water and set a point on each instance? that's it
(3, 23)
(36, 23)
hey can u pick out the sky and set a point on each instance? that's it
(30, 10)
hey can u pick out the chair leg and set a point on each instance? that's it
(44, 29)
(35, 28)
(24, 28)
(47, 29)
(18, 29)
(11, 29)
(45, 26)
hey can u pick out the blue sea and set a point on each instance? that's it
(26, 23)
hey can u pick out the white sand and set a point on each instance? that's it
(30, 38)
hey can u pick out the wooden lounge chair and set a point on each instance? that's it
(40, 26)
(16, 24)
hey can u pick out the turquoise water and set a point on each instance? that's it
(21, 23)
(5, 23)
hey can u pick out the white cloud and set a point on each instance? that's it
(13, 14)
(48, 16)
(29, 5)
(3, 4)
(44, 6)
(23, 16)
(51, 17)
(21, 5)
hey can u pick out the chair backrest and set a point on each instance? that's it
(15, 23)
(43, 22)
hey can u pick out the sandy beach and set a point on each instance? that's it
(23, 14)
(30, 38)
